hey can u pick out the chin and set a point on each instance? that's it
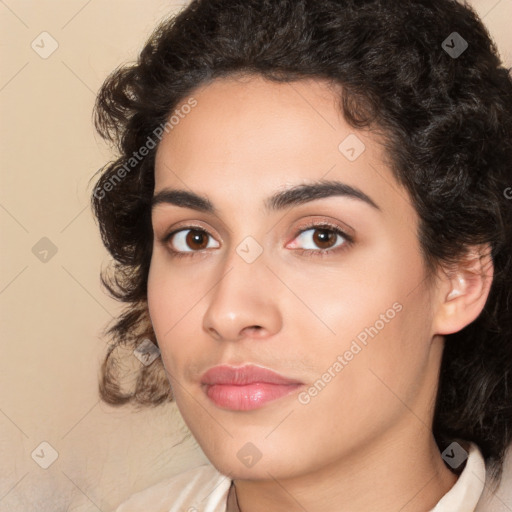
(243, 461)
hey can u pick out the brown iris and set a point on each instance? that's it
(196, 236)
(324, 238)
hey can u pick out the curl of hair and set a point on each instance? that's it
(447, 125)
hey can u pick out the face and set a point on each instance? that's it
(326, 287)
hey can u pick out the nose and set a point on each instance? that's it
(242, 304)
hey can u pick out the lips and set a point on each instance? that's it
(240, 376)
(246, 387)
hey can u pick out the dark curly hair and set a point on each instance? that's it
(447, 124)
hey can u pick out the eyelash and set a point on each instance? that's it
(348, 240)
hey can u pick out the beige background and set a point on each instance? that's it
(52, 312)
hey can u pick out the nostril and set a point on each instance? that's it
(254, 328)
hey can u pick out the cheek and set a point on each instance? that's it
(164, 299)
(363, 388)
(352, 302)
(379, 317)
(172, 290)
(158, 295)
(174, 303)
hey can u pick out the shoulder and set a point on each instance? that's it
(202, 488)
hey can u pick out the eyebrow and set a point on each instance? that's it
(294, 196)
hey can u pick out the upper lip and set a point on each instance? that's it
(242, 375)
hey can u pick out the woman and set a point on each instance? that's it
(309, 219)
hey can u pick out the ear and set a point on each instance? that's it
(462, 290)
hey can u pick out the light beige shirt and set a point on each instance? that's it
(204, 489)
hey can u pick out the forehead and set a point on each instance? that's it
(250, 118)
(248, 135)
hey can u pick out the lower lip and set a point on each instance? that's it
(248, 397)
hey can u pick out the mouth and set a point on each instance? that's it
(245, 388)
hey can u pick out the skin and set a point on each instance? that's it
(365, 441)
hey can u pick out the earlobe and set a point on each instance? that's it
(463, 291)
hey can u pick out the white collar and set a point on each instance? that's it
(466, 492)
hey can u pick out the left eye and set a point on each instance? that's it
(320, 237)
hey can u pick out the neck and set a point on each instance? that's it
(405, 473)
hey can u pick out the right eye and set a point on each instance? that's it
(189, 240)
